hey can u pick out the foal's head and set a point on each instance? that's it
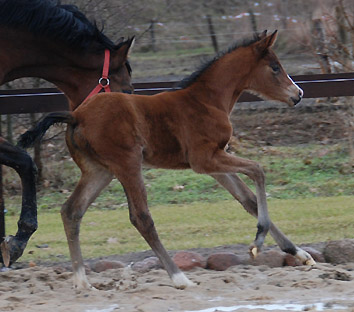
(268, 79)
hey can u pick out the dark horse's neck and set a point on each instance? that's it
(25, 55)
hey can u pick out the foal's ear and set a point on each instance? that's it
(263, 34)
(266, 42)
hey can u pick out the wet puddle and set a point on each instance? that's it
(109, 309)
(274, 307)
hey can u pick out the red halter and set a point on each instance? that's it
(103, 82)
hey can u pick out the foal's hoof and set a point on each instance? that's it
(253, 251)
(310, 262)
(181, 281)
(304, 257)
(84, 285)
(11, 250)
(80, 280)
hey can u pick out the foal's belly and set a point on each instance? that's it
(164, 160)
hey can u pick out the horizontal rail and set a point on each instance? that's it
(50, 99)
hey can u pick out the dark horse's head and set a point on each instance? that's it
(65, 28)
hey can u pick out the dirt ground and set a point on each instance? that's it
(312, 121)
(324, 287)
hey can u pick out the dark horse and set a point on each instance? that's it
(40, 38)
(116, 134)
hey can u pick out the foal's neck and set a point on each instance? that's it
(75, 73)
(223, 82)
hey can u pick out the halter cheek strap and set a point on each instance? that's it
(103, 82)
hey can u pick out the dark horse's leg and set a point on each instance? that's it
(19, 160)
(241, 192)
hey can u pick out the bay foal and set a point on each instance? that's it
(45, 39)
(116, 134)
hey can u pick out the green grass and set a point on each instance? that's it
(106, 232)
(291, 172)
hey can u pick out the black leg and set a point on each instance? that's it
(19, 160)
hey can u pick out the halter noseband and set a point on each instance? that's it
(103, 82)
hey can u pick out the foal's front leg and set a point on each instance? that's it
(242, 193)
(140, 217)
(220, 162)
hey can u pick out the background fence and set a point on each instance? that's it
(51, 99)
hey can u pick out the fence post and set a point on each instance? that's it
(212, 33)
(253, 20)
(152, 35)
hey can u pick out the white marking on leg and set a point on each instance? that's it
(181, 281)
(304, 257)
(81, 281)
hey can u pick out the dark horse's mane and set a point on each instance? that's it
(56, 21)
(186, 82)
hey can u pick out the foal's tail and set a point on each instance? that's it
(36, 133)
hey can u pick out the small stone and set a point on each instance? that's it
(103, 265)
(60, 269)
(32, 264)
(338, 252)
(146, 265)
(272, 258)
(290, 260)
(222, 261)
(42, 246)
(187, 260)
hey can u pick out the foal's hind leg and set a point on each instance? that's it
(140, 217)
(94, 178)
(241, 192)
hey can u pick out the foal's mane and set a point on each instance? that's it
(53, 20)
(245, 42)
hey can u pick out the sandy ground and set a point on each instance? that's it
(241, 288)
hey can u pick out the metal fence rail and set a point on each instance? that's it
(51, 99)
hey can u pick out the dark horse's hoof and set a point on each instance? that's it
(11, 249)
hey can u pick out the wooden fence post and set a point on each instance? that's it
(253, 20)
(152, 35)
(212, 33)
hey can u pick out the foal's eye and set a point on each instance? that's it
(275, 68)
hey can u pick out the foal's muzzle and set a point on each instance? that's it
(298, 98)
